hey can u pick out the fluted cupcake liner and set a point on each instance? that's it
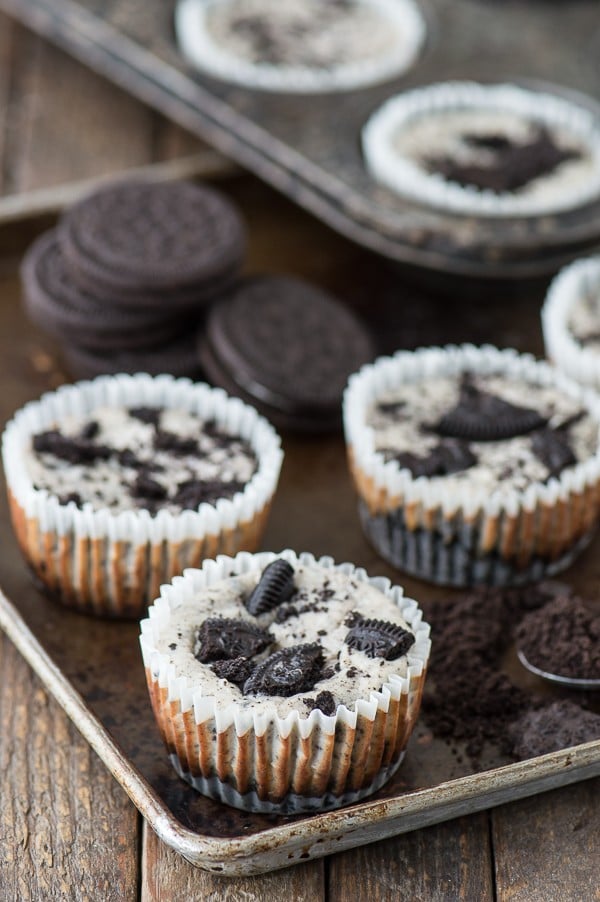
(203, 52)
(261, 761)
(405, 176)
(563, 349)
(457, 535)
(112, 564)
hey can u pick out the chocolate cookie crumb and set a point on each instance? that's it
(563, 637)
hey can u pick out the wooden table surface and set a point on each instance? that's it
(67, 829)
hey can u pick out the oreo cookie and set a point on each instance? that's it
(288, 348)
(235, 670)
(379, 638)
(450, 456)
(483, 417)
(275, 586)
(287, 672)
(177, 357)
(137, 235)
(222, 638)
(554, 450)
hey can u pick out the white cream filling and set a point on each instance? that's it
(326, 626)
(106, 483)
(507, 464)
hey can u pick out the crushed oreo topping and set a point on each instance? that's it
(324, 702)
(275, 586)
(73, 450)
(449, 456)
(72, 497)
(482, 417)
(236, 670)
(169, 441)
(90, 430)
(147, 488)
(287, 672)
(221, 638)
(553, 449)
(192, 493)
(379, 638)
(149, 415)
(390, 408)
(513, 165)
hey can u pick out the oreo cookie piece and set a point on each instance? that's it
(221, 638)
(379, 638)
(288, 347)
(192, 493)
(177, 357)
(58, 306)
(275, 586)
(74, 450)
(135, 235)
(482, 417)
(287, 672)
(554, 450)
(236, 670)
(450, 456)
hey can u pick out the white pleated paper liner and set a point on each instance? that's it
(203, 52)
(457, 535)
(265, 762)
(575, 281)
(113, 564)
(405, 176)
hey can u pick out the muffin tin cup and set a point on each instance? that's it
(576, 361)
(456, 536)
(265, 762)
(409, 179)
(113, 565)
(203, 52)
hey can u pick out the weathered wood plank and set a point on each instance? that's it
(448, 861)
(167, 876)
(67, 830)
(548, 847)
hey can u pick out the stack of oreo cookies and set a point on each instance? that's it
(125, 278)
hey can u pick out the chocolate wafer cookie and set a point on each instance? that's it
(57, 305)
(287, 346)
(177, 357)
(138, 237)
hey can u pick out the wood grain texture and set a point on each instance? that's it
(67, 830)
(450, 861)
(166, 876)
(547, 848)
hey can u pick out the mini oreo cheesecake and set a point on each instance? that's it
(487, 150)
(119, 483)
(473, 466)
(571, 321)
(300, 45)
(283, 683)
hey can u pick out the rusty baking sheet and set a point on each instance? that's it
(94, 668)
(310, 149)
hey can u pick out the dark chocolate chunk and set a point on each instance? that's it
(513, 166)
(553, 449)
(287, 672)
(194, 492)
(483, 417)
(149, 415)
(73, 450)
(221, 638)
(147, 488)
(450, 456)
(380, 638)
(237, 670)
(90, 430)
(275, 586)
(168, 441)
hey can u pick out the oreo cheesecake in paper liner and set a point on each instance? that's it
(473, 465)
(486, 150)
(117, 484)
(571, 321)
(284, 683)
(304, 46)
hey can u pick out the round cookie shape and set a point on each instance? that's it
(486, 150)
(177, 357)
(300, 46)
(139, 235)
(288, 344)
(55, 303)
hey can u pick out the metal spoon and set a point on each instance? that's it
(567, 682)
